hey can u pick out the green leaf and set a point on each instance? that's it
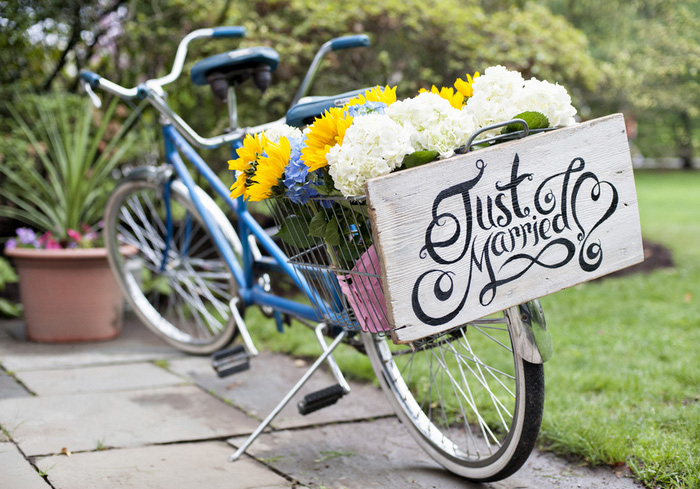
(295, 231)
(327, 187)
(348, 254)
(535, 120)
(317, 226)
(7, 274)
(9, 309)
(418, 158)
(332, 236)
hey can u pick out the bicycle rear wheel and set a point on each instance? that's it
(175, 280)
(465, 396)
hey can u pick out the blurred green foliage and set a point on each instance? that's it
(8, 276)
(637, 56)
(649, 54)
(414, 43)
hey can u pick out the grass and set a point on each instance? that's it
(622, 386)
(623, 383)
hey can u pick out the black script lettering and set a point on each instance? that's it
(490, 288)
(444, 292)
(500, 239)
(545, 223)
(440, 220)
(480, 213)
(516, 180)
(591, 255)
(560, 222)
(505, 219)
(511, 246)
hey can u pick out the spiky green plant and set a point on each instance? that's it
(60, 183)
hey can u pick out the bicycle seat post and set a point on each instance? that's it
(232, 107)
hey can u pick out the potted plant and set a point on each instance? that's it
(55, 182)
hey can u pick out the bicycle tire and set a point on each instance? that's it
(477, 413)
(185, 299)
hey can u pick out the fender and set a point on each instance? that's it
(531, 338)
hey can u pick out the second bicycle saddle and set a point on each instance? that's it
(234, 67)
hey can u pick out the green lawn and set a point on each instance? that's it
(624, 383)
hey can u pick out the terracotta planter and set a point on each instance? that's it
(68, 295)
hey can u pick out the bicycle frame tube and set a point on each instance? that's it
(250, 292)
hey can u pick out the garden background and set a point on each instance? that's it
(622, 388)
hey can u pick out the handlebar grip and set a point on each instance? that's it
(230, 31)
(345, 42)
(92, 78)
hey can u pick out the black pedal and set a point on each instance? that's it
(230, 361)
(320, 399)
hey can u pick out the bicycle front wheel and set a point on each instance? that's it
(465, 396)
(171, 273)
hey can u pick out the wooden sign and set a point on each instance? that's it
(476, 233)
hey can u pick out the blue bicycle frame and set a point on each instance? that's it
(249, 291)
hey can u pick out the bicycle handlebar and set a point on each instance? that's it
(96, 81)
(153, 88)
(346, 42)
(230, 31)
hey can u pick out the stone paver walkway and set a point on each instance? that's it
(134, 413)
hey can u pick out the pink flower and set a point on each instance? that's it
(75, 235)
(45, 237)
(52, 244)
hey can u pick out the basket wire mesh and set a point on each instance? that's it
(329, 243)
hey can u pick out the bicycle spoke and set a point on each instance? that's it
(187, 300)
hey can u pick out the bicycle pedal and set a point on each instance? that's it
(230, 361)
(320, 399)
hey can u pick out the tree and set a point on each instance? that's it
(415, 44)
(649, 52)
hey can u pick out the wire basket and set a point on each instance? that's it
(329, 243)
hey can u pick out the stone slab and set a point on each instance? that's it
(380, 454)
(80, 422)
(258, 390)
(16, 472)
(104, 378)
(135, 343)
(9, 387)
(187, 465)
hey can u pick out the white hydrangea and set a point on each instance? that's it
(551, 99)
(500, 95)
(494, 95)
(433, 123)
(373, 145)
(275, 133)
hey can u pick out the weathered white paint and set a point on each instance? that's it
(583, 224)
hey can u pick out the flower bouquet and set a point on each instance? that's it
(315, 179)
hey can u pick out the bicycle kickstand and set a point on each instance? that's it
(311, 402)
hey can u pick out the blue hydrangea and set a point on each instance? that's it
(367, 108)
(300, 184)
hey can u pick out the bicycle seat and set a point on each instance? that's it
(235, 67)
(309, 108)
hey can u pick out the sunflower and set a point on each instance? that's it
(246, 163)
(326, 131)
(455, 99)
(385, 95)
(269, 170)
(465, 87)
